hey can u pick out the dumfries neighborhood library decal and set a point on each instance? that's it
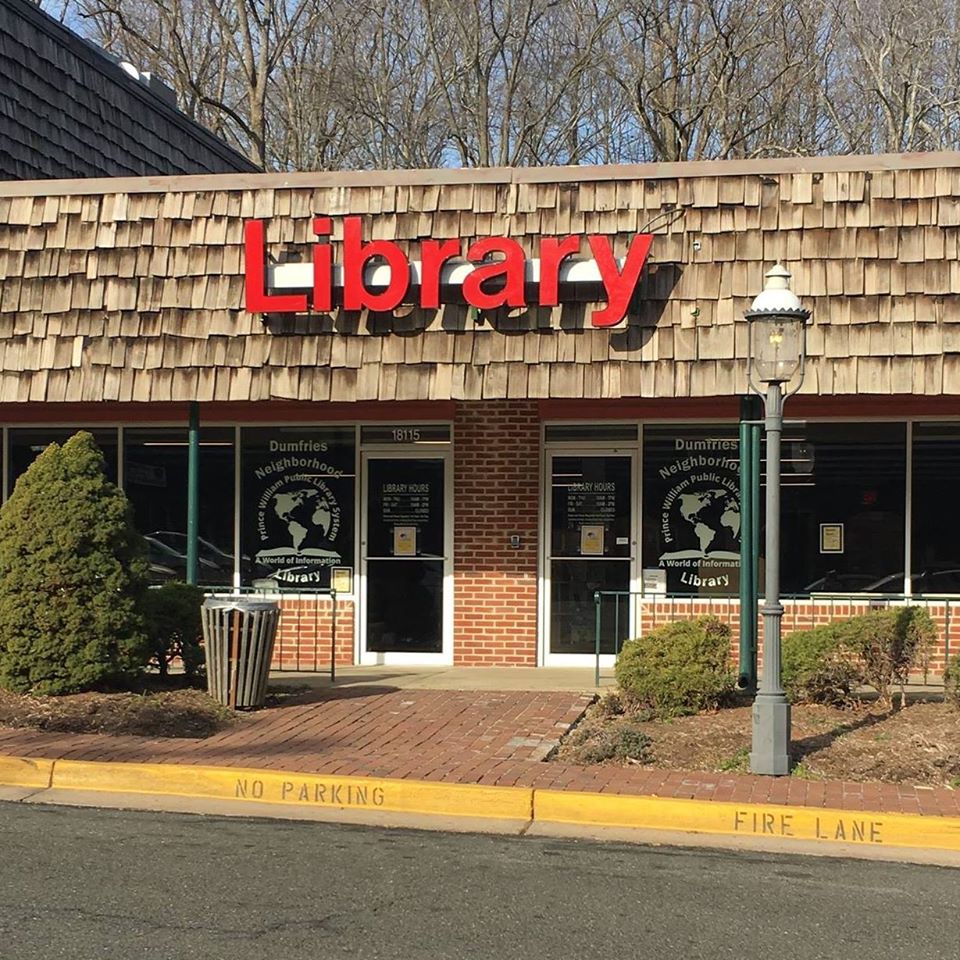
(693, 483)
(298, 493)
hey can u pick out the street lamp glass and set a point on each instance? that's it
(777, 347)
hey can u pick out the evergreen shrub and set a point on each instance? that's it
(172, 616)
(678, 669)
(71, 577)
(817, 666)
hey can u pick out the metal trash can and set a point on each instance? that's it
(238, 637)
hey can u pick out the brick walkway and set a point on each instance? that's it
(454, 736)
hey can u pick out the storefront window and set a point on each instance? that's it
(27, 442)
(842, 518)
(155, 479)
(691, 510)
(935, 564)
(297, 499)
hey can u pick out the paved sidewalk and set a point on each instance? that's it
(471, 737)
(500, 679)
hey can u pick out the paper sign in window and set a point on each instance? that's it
(404, 541)
(831, 538)
(591, 540)
(341, 579)
(654, 580)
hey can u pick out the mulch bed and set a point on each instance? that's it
(166, 713)
(917, 745)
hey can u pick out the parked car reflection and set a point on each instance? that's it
(842, 583)
(934, 582)
(166, 562)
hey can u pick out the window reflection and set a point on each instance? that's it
(850, 478)
(935, 551)
(27, 442)
(156, 482)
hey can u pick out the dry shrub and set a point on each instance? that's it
(620, 739)
(951, 681)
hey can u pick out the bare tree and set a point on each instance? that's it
(513, 74)
(895, 83)
(325, 84)
(219, 54)
(705, 78)
(395, 89)
(309, 116)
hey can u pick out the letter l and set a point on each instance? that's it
(256, 298)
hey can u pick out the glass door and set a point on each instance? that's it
(406, 567)
(591, 546)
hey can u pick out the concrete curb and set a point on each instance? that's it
(770, 821)
(842, 830)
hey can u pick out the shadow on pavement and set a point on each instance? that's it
(807, 745)
(300, 694)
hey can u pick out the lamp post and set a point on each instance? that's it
(777, 353)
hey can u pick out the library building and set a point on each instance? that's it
(493, 416)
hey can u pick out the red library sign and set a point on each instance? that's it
(379, 276)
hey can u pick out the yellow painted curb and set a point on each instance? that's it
(371, 794)
(300, 789)
(770, 821)
(25, 772)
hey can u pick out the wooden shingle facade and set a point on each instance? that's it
(132, 290)
(67, 109)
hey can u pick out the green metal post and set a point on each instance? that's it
(333, 637)
(193, 492)
(596, 639)
(748, 519)
(755, 432)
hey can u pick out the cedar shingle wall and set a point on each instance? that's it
(67, 111)
(136, 296)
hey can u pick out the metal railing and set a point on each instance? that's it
(298, 609)
(663, 608)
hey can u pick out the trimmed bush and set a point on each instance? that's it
(678, 669)
(172, 616)
(71, 577)
(818, 667)
(951, 681)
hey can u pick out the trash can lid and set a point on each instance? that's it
(241, 603)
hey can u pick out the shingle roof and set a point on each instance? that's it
(68, 110)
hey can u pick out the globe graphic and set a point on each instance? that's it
(305, 512)
(714, 516)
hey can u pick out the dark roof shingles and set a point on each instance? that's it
(69, 111)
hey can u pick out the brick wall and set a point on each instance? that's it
(496, 477)
(305, 632)
(496, 494)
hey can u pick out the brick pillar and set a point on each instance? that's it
(496, 494)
